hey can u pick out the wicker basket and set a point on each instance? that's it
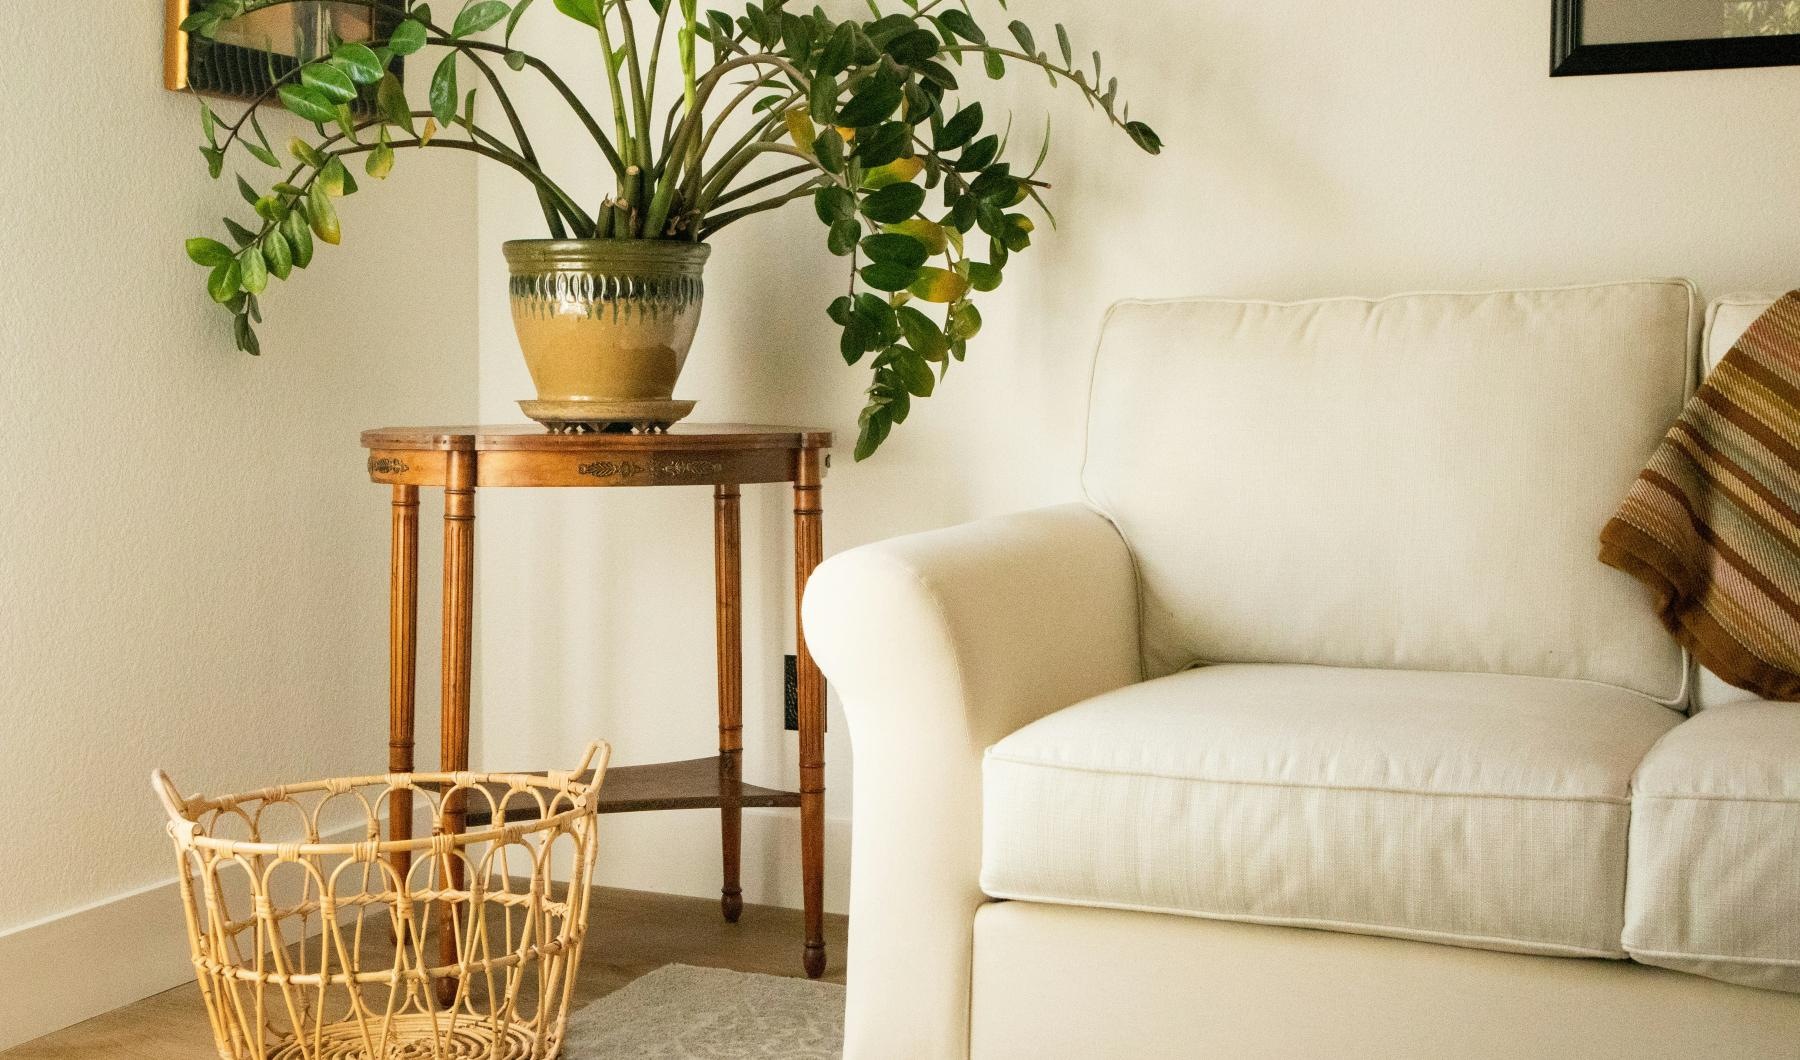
(312, 950)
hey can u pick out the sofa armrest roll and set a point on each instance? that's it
(938, 644)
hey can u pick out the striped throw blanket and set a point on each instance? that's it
(1712, 524)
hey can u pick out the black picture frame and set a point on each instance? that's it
(229, 71)
(1571, 57)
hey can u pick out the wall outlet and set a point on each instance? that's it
(790, 693)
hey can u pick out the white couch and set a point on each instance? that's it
(1318, 729)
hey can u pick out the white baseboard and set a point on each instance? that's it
(70, 967)
(67, 968)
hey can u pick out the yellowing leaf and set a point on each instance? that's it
(930, 233)
(899, 171)
(801, 129)
(427, 131)
(939, 285)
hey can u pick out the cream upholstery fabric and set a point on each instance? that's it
(1470, 809)
(1414, 483)
(1714, 887)
(1058, 983)
(939, 644)
(1726, 320)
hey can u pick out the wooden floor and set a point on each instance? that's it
(630, 933)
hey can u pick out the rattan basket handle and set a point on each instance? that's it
(169, 794)
(596, 749)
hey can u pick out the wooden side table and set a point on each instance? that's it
(724, 456)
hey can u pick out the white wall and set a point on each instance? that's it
(193, 563)
(1314, 149)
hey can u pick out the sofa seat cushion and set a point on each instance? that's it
(1715, 848)
(1472, 809)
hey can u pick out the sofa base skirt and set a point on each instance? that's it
(1061, 981)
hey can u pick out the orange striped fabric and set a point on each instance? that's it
(1712, 524)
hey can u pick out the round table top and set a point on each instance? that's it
(532, 437)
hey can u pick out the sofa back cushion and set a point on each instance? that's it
(1727, 319)
(1415, 482)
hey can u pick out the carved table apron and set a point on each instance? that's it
(460, 460)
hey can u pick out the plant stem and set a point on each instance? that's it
(757, 185)
(551, 216)
(640, 105)
(713, 224)
(562, 89)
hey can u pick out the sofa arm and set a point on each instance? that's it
(938, 645)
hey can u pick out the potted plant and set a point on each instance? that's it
(855, 119)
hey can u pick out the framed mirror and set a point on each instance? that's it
(1641, 36)
(253, 51)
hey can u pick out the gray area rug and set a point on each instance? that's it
(680, 1012)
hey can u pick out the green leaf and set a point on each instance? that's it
(914, 373)
(215, 161)
(299, 238)
(958, 22)
(1144, 136)
(982, 276)
(261, 153)
(322, 215)
(209, 124)
(960, 129)
(838, 52)
(208, 252)
(885, 276)
(391, 104)
(875, 430)
(922, 334)
(842, 238)
(883, 144)
(939, 285)
(894, 203)
(253, 272)
(995, 65)
(242, 235)
(965, 322)
(333, 178)
(914, 47)
(516, 60)
(873, 104)
(443, 90)
(840, 310)
(359, 61)
(381, 162)
(307, 102)
(1062, 41)
(278, 254)
(222, 283)
(248, 193)
(580, 10)
(895, 249)
(834, 203)
(305, 152)
(334, 84)
(821, 99)
(978, 154)
(1022, 33)
(478, 16)
(512, 23)
(409, 37)
(246, 336)
(828, 148)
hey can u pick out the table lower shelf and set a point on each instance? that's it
(696, 784)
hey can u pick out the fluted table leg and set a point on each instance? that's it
(459, 593)
(728, 582)
(808, 544)
(403, 658)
